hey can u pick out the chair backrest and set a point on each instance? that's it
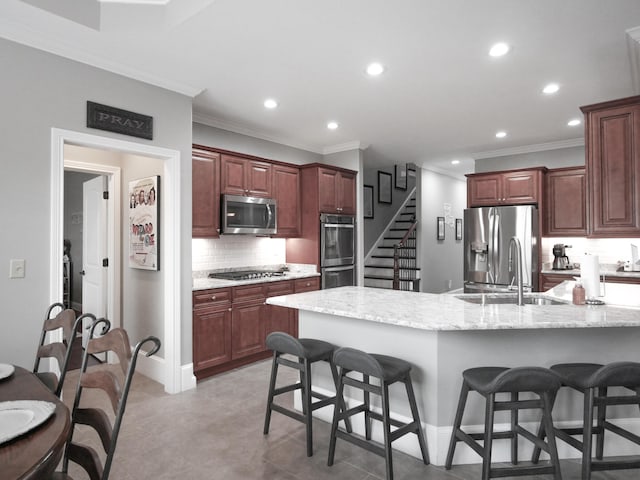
(66, 320)
(115, 386)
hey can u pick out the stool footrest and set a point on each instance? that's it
(518, 405)
(289, 413)
(392, 421)
(366, 444)
(618, 400)
(494, 435)
(600, 465)
(521, 470)
(288, 388)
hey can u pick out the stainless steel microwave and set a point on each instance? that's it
(248, 215)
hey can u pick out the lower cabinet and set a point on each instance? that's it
(550, 280)
(230, 325)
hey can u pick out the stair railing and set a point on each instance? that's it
(404, 263)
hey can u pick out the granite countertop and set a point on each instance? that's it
(202, 282)
(446, 312)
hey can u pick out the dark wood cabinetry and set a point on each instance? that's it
(515, 187)
(566, 203)
(230, 325)
(205, 193)
(286, 191)
(242, 176)
(336, 191)
(612, 132)
(550, 280)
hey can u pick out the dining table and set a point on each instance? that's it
(36, 453)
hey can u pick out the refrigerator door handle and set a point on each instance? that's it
(495, 232)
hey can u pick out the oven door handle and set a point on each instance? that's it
(337, 225)
(338, 269)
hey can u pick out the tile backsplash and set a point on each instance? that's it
(233, 251)
(609, 250)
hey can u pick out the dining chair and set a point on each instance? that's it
(115, 386)
(65, 320)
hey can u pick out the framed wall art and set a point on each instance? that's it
(458, 229)
(401, 176)
(440, 228)
(384, 187)
(368, 201)
(144, 231)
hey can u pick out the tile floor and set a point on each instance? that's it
(215, 432)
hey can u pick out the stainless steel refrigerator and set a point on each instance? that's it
(487, 234)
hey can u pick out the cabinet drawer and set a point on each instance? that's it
(279, 288)
(220, 297)
(307, 284)
(247, 293)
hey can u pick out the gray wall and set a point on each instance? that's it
(43, 91)
(564, 157)
(440, 260)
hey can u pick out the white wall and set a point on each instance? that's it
(43, 91)
(563, 157)
(440, 261)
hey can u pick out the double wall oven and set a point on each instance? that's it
(337, 250)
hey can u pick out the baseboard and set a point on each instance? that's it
(187, 378)
(152, 367)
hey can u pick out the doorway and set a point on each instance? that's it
(167, 370)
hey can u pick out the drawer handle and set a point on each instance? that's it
(308, 284)
(213, 297)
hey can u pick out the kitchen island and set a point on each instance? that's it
(442, 335)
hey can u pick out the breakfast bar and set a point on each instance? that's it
(442, 335)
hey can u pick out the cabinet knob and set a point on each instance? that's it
(308, 284)
(213, 297)
(229, 309)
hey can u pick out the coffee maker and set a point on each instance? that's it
(560, 259)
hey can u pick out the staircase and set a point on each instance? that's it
(378, 268)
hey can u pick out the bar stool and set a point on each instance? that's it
(489, 381)
(307, 351)
(388, 370)
(593, 380)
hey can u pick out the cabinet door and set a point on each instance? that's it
(247, 329)
(286, 191)
(327, 190)
(566, 202)
(233, 174)
(484, 190)
(280, 319)
(307, 284)
(521, 187)
(346, 193)
(258, 182)
(211, 337)
(205, 194)
(613, 166)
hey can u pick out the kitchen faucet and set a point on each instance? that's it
(516, 242)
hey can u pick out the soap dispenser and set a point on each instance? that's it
(579, 294)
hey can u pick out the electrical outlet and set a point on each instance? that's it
(16, 268)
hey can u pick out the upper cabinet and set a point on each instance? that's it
(515, 187)
(612, 145)
(242, 176)
(566, 203)
(205, 193)
(336, 191)
(286, 191)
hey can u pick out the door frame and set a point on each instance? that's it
(170, 367)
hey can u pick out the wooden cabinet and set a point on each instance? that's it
(612, 146)
(550, 280)
(280, 319)
(566, 203)
(307, 284)
(211, 328)
(336, 191)
(286, 191)
(205, 193)
(243, 176)
(514, 187)
(247, 328)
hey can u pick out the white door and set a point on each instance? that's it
(94, 251)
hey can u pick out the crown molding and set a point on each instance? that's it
(26, 36)
(539, 147)
(344, 147)
(211, 121)
(633, 44)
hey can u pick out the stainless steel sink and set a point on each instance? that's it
(501, 299)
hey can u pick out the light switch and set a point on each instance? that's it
(16, 268)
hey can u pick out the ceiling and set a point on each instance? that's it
(441, 97)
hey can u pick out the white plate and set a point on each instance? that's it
(20, 416)
(6, 370)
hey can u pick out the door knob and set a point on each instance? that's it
(82, 272)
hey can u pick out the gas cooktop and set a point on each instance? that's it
(247, 274)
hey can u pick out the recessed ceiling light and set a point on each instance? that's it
(375, 69)
(574, 122)
(499, 49)
(501, 134)
(270, 103)
(551, 88)
(455, 162)
(332, 125)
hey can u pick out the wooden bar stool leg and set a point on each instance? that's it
(462, 402)
(587, 437)
(602, 413)
(340, 403)
(416, 418)
(514, 437)
(272, 387)
(535, 457)
(367, 417)
(551, 437)
(336, 418)
(488, 435)
(386, 425)
(306, 400)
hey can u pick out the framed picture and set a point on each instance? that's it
(458, 229)
(384, 187)
(144, 231)
(368, 201)
(440, 229)
(401, 176)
